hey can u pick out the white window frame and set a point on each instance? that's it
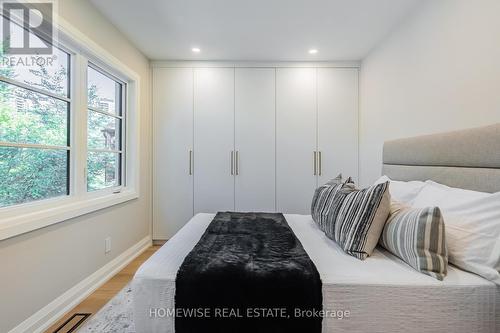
(68, 98)
(123, 121)
(26, 217)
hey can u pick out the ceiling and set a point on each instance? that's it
(256, 30)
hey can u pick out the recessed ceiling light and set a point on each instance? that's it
(195, 50)
(313, 51)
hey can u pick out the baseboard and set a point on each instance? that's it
(159, 242)
(48, 315)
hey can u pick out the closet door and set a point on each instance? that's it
(255, 139)
(337, 123)
(213, 139)
(295, 139)
(173, 142)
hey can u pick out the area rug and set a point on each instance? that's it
(115, 316)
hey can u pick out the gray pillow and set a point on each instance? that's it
(417, 236)
(357, 217)
(322, 200)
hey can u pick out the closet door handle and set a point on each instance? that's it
(237, 163)
(232, 162)
(319, 163)
(314, 163)
(190, 162)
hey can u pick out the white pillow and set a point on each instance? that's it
(400, 191)
(472, 224)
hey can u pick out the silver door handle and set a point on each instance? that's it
(319, 163)
(314, 163)
(237, 163)
(190, 162)
(232, 162)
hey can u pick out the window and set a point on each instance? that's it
(34, 130)
(62, 133)
(104, 130)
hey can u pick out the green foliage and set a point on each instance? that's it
(40, 119)
(31, 174)
(101, 166)
(28, 174)
(101, 170)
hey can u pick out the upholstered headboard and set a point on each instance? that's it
(468, 159)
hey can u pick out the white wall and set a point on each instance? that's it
(37, 267)
(439, 71)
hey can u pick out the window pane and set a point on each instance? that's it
(103, 92)
(29, 117)
(47, 72)
(103, 170)
(103, 131)
(28, 174)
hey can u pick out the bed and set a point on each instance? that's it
(380, 294)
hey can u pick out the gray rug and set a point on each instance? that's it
(115, 316)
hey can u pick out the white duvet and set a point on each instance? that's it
(380, 294)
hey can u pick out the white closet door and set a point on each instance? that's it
(296, 138)
(255, 139)
(173, 139)
(213, 139)
(337, 123)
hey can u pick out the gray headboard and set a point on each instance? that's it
(468, 159)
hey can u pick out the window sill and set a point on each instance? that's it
(59, 211)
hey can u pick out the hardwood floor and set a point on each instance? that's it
(101, 296)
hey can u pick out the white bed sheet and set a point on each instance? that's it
(381, 293)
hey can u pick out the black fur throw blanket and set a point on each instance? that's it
(248, 273)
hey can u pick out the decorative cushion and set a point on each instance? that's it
(357, 217)
(417, 236)
(334, 209)
(322, 200)
(337, 180)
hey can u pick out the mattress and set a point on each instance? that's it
(379, 294)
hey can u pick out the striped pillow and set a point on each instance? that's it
(322, 200)
(321, 203)
(334, 209)
(358, 217)
(337, 180)
(416, 235)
